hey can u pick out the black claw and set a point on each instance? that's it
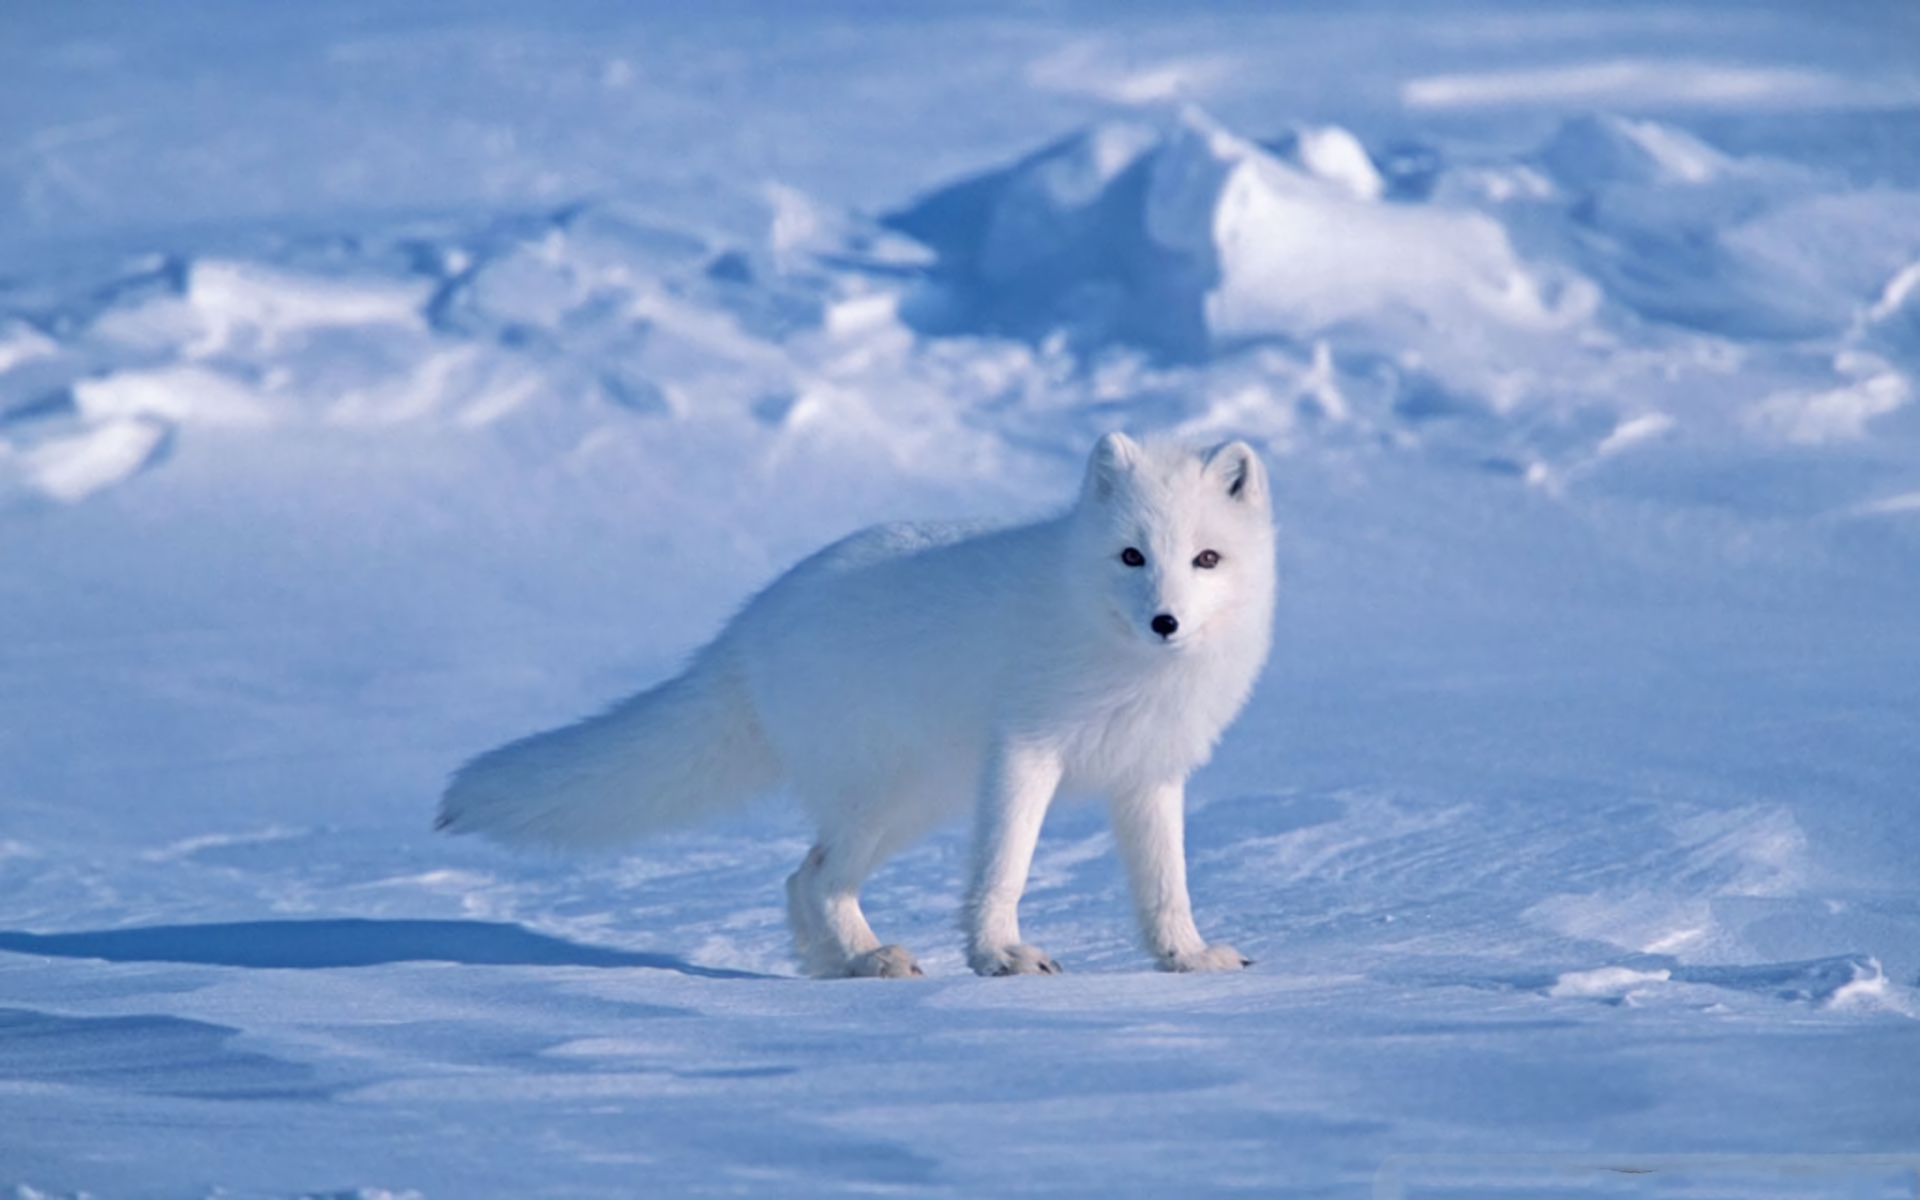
(1245, 961)
(1044, 966)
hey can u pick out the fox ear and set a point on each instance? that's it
(1237, 469)
(1113, 456)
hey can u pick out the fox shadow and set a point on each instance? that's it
(346, 942)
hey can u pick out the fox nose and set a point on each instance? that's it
(1165, 625)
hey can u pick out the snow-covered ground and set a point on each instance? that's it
(379, 382)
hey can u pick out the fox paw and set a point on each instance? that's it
(1217, 957)
(884, 962)
(1019, 959)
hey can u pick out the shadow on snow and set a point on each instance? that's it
(149, 1053)
(346, 942)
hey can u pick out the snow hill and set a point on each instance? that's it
(1615, 286)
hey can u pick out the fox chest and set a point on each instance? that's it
(1144, 731)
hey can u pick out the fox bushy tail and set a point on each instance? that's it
(689, 748)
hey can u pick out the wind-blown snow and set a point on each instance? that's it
(379, 383)
(1637, 83)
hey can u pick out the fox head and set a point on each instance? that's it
(1176, 543)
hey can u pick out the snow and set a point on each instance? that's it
(1636, 83)
(382, 382)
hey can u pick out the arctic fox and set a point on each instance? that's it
(914, 672)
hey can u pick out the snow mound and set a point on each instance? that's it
(1183, 238)
(1557, 318)
(1681, 233)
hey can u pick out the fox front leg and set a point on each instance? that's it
(1149, 824)
(1017, 788)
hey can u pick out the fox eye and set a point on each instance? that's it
(1133, 558)
(1207, 560)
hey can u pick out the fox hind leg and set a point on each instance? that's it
(831, 936)
(800, 915)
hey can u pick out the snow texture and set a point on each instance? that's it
(383, 382)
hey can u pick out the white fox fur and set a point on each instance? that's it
(912, 673)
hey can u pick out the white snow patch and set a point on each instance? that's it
(1904, 285)
(502, 397)
(446, 881)
(1869, 988)
(1642, 921)
(187, 847)
(1087, 69)
(21, 343)
(1888, 333)
(1835, 415)
(246, 301)
(73, 468)
(1333, 154)
(1632, 432)
(1605, 982)
(1630, 83)
(798, 223)
(181, 392)
(1906, 502)
(861, 316)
